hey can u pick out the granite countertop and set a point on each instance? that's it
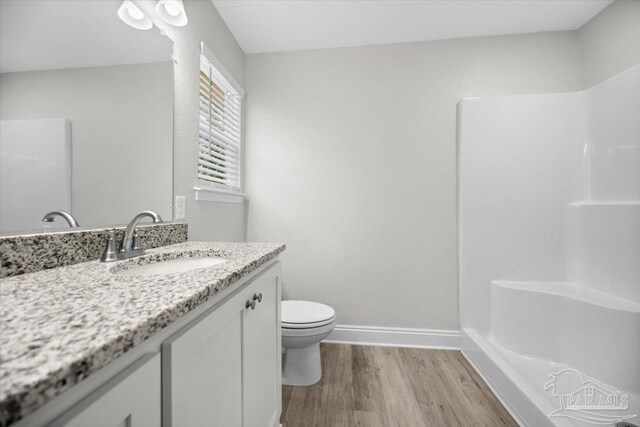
(59, 326)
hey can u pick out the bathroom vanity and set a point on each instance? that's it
(124, 344)
(187, 334)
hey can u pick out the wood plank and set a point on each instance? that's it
(427, 385)
(366, 383)
(384, 386)
(401, 407)
(335, 388)
(369, 419)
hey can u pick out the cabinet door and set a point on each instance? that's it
(131, 399)
(262, 353)
(202, 371)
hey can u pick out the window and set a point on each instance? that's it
(220, 133)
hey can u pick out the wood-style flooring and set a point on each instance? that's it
(384, 386)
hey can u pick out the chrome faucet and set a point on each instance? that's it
(66, 215)
(131, 243)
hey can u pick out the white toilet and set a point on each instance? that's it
(304, 325)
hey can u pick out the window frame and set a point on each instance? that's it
(205, 190)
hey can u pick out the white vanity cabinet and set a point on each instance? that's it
(225, 368)
(202, 370)
(219, 365)
(131, 399)
(262, 354)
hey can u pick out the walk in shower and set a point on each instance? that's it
(549, 205)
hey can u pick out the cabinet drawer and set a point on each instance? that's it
(130, 399)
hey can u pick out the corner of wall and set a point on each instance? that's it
(609, 42)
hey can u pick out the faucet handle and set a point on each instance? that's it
(137, 242)
(110, 254)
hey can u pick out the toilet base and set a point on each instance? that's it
(301, 366)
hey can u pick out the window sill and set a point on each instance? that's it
(204, 194)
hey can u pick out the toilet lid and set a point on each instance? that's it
(306, 313)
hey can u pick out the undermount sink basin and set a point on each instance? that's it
(179, 265)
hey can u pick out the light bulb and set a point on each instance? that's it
(135, 14)
(171, 10)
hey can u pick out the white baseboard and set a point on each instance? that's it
(395, 337)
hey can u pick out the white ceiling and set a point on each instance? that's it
(271, 26)
(48, 34)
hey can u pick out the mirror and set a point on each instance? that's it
(86, 115)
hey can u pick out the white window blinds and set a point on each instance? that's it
(219, 138)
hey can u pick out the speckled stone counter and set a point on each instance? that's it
(59, 326)
(28, 253)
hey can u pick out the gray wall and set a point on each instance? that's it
(207, 220)
(610, 42)
(351, 160)
(121, 132)
(351, 156)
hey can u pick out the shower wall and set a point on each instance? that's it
(550, 236)
(517, 165)
(613, 131)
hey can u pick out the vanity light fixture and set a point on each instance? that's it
(133, 16)
(172, 12)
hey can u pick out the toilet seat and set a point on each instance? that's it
(306, 314)
(308, 332)
(307, 325)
